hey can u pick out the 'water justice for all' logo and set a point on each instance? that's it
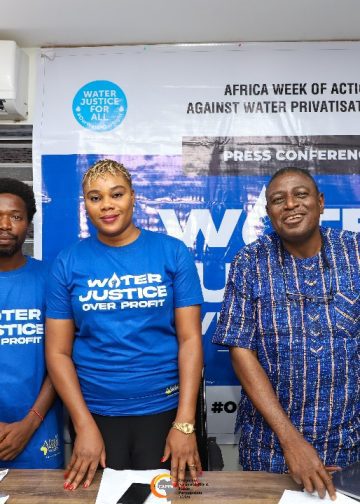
(100, 105)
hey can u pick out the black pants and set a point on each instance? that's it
(134, 442)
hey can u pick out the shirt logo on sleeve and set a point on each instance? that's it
(124, 292)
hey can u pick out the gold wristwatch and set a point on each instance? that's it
(185, 427)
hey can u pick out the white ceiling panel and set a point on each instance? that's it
(34, 23)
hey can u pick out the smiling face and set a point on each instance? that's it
(13, 226)
(109, 202)
(294, 207)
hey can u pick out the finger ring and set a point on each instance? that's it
(191, 465)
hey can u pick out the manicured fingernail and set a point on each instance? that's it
(66, 485)
(86, 484)
(71, 487)
(175, 484)
(196, 483)
(162, 459)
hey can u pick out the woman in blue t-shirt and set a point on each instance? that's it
(124, 339)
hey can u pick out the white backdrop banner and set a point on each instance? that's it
(201, 128)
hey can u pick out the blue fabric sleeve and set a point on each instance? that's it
(57, 293)
(237, 325)
(187, 289)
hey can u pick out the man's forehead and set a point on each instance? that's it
(12, 200)
(288, 181)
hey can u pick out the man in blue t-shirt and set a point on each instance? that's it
(30, 420)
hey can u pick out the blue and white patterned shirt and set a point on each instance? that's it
(302, 317)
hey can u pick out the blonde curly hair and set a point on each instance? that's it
(106, 167)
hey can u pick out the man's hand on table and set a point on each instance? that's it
(306, 468)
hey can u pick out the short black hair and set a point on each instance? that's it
(25, 192)
(293, 169)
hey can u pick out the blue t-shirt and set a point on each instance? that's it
(22, 364)
(122, 300)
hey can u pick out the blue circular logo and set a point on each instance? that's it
(100, 105)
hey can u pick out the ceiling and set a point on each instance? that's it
(34, 23)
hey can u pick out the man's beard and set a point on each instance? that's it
(10, 250)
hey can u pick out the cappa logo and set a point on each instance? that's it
(50, 446)
(161, 486)
(100, 105)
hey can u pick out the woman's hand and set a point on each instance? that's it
(184, 454)
(182, 447)
(88, 453)
(89, 449)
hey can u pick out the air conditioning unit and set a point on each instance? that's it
(14, 74)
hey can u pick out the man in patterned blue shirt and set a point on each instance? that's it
(291, 318)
